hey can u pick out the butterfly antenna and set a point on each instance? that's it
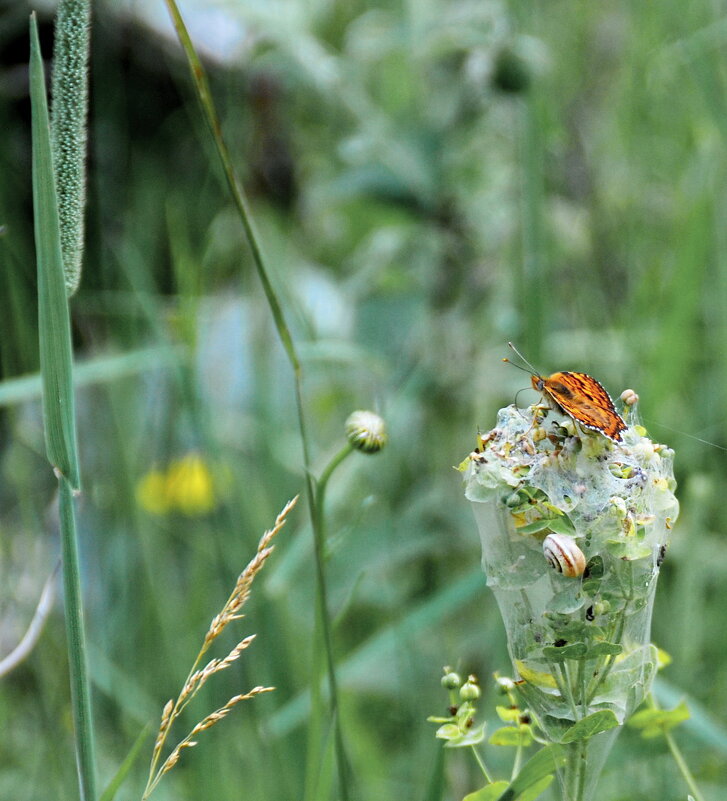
(531, 369)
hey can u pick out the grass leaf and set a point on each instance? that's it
(118, 779)
(53, 319)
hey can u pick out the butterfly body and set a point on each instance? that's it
(583, 398)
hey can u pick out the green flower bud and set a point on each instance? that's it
(601, 608)
(505, 684)
(366, 431)
(469, 691)
(451, 680)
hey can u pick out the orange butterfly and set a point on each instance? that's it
(579, 396)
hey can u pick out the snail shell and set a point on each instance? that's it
(563, 555)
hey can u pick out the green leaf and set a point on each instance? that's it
(508, 714)
(53, 320)
(472, 737)
(567, 601)
(629, 549)
(449, 731)
(594, 567)
(605, 649)
(542, 764)
(113, 786)
(591, 587)
(588, 727)
(489, 793)
(575, 651)
(512, 736)
(561, 525)
(536, 527)
(537, 789)
(663, 659)
(655, 722)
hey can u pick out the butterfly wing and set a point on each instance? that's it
(586, 401)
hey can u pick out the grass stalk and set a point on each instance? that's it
(204, 96)
(75, 635)
(56, 367)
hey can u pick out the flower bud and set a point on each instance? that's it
(505, 684)
(366, 431)
(469, 691)
(451, 680)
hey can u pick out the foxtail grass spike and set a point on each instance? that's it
(69, 113)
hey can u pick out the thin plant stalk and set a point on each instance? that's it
(75, 634)
(204, 95)
(481, 762)
(56, 367)
(678, 756)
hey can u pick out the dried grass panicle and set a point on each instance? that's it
(207, 723)
(223, 711)
(198, 676)
(243, 586)
(163, 726)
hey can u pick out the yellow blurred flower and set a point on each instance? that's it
(186, 486)
(151, 492)
(190, 487)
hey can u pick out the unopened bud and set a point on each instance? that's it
(366, 431)
(469, 691)
(451, 680)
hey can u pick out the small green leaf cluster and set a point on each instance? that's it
(656, 722)
(458, 730)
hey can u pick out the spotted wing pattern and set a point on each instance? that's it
(585, 400)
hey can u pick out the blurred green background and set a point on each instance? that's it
(429, 180)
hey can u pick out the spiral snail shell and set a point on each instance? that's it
(563, 555)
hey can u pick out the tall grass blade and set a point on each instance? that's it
(56, 362)
(53, 320)
(113, 786)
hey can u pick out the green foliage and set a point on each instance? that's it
(56, 360)
(491, 792)
(590, 726)
(536, 773)
(655, 722)
(396, 195)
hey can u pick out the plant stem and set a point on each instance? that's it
(324, 619)
(574, 781)
(678, 756)
(204, 95)
(80, 692)
(481, 763)
(517, 763)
